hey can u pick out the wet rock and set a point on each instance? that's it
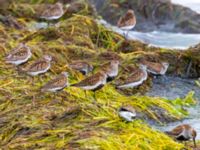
(152, 15)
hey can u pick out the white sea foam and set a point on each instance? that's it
(160, 39)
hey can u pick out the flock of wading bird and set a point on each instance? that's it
(22, 53)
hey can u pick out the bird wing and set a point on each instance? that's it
(134, 77)
(16, 55)
(38, 66)
(53, 10)
(126, 20)
(94, 79)
(106, 67)
(59, 81)
(177, 131)
(77, 65)
(155, 67)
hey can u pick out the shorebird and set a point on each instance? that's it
(127, 22)
(19, 55)
(183, 132)
(53, 12)
(94, 82)
(56, 84)
(156, 68)
(40, 66)
(111, 69)
(82, 66)
(128, 113)
(109, 56)
(137, 77)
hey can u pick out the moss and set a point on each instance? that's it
(30, 119)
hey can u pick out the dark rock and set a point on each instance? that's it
(151, 15)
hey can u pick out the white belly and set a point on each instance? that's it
(91, 87)
(55, 89)
(39, 72)
(113, 73)
(131, 85)
(18, 62)
(127, 27)
(128, 116)
(52, 17)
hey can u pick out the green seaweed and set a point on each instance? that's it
(30, 119)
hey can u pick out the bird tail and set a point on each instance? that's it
(169, 133)
(43, 89)
(75, 84)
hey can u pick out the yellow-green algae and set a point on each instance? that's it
(70, 119)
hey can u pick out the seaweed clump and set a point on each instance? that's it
(30, 119)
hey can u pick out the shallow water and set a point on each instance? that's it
(175, 87)
(171, 87)
(160, 39)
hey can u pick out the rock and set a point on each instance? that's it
(151, 15)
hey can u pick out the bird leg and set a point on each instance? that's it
(188, 68)
(54, 95)
(185, 143)
(126, 34)
(31, 80)
(48, 24)
(194, 142)
(95, 95)
(33, 100)
(85, 93)
(164, 78)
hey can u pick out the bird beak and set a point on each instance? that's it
(194, 142)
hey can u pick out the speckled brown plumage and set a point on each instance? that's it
(53, 12)
(183, 132)
(19, 55)
(128, 19)
(82, 66)
(156, 67)
(57, 83)
(40, 66)
(135, 76)
(111, 69)
(93, 82)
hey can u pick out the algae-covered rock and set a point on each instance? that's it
(73, 119)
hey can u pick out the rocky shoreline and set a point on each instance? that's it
(70, 120)
(151, 15)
